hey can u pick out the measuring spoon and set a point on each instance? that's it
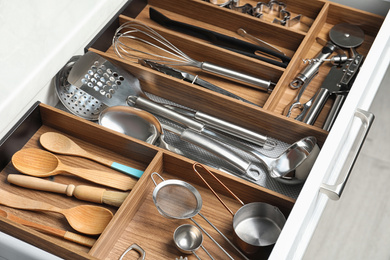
(87, 219)
(188, 239)
(40, 163)
(58, 143)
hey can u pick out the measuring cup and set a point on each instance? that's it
(256, 225)
(188, 239)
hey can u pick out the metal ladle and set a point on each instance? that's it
(296, 160)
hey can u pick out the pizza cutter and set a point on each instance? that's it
(340, 78)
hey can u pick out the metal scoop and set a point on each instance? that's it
(188, 239)
(136, 123)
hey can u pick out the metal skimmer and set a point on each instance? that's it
(74, 99)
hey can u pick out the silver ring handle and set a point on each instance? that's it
(334, 191)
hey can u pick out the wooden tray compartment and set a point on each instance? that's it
(137, 220)
(154, 232)
(91, 137)
(268, 119)
(330, 15)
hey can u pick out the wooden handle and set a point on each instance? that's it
(39, 184)
(109, 179)
(16, 201)
(82, 240)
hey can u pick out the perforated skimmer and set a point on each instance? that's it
(74, 99)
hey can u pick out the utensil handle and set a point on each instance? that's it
(334, 191)
(212, 239)
(160, 110)
(255, 82)
(220, 182)
(82, 240)
(231, 129)
(127, 170)
(116, 181)
(319, 101)
(337, 104)
(39, 184)
(15, 201)
(221, 151)
(79, 239)
(114, 165)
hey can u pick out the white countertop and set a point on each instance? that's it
(37, 38)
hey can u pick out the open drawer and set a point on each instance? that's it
(265, 115)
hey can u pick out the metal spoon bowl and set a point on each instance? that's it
(188, 239)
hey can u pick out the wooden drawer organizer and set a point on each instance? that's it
(137, 220)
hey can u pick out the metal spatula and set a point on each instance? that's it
(100, 78)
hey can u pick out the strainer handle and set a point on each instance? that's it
(155, 173)
(212, 190)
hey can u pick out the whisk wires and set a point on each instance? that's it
(129, 36)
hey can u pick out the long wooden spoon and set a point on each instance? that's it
(40, 163)
(58, 143)
(70, 236)
(87, 219)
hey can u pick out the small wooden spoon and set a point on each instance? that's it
(70, 236)
(58, 143)
(40, 163)
(87, 219)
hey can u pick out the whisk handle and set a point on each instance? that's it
(262, 84)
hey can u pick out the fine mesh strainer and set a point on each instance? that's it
(74, 99)
(178, 199)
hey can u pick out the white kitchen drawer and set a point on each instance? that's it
(335, 152)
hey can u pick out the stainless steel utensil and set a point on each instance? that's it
(256, 225)
(193, 79)
(92, 73)
(340, 78)
(292, 166)
(177, 199)
(125, 119)
(74, 99)
(137, 248)
(130, 34)
(188, 239)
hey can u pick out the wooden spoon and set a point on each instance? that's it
(40, 163)
(87, 219)
(70, 236)
(58, 143)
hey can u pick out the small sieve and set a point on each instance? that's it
(177, 199)
(74, 99)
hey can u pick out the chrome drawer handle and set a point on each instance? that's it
(334, 191)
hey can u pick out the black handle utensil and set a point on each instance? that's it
(221, 40)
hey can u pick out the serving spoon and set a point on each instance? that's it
(59, 143)
(87, 219)
(40, 163)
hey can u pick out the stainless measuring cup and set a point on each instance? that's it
(256, 225)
